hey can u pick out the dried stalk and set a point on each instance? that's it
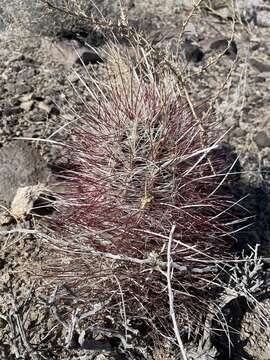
(171, 297)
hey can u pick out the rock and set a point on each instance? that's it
(2, 22)
(255, 332)
(48, 108)
(42, 105)
(24, 199)
(2, 263)
(101, 357)
(259, 65)
(23, 88)
(262, 140)
(186, 4)
(224, 12)
(192, 52)
(238, 132)
(69, 52)
(88, 57)
(27, 105)
(262, 18)
(20, 165)
(5, 219)
(222, 44)
(248, 9)
(26, 97)
(22, 204)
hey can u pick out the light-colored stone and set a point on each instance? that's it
(42, 105)
(69, 52)
(24, 199)
(27, 105)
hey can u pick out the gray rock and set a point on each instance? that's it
(69, 52)
(259, 65)
(20, 165)
(262, 140)
(23, 88)
(248, 4)
(255, 333)
(2, 22)
(263, 18)
(222, 44)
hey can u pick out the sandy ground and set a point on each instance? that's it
(35, 95)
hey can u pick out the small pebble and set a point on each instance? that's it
(262, 140)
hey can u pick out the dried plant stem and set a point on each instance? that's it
(147, 261)
(170, 293)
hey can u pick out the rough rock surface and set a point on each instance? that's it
(255, 331)
(20, 165)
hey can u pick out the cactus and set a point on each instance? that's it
(141, 163)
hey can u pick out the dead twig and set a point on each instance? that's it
(170, 293)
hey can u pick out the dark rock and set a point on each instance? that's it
(55, 110)
(89, 57)
(85, 36)
(192, 52)
(2, 263)
(262, 140)
(77, 34)
(222, 44)
(38, 97)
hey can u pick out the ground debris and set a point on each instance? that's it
(22, 204)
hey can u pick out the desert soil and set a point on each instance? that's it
(36, 92)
